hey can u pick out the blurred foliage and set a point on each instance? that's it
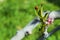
(17, 13)
(55, 2)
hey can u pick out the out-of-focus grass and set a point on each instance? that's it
(15, 14)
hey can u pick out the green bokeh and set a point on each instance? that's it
(15, 13)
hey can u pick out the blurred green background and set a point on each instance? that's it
(15, 14)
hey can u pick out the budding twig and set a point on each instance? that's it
(42, 18)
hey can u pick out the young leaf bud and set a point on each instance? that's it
(36, 7)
